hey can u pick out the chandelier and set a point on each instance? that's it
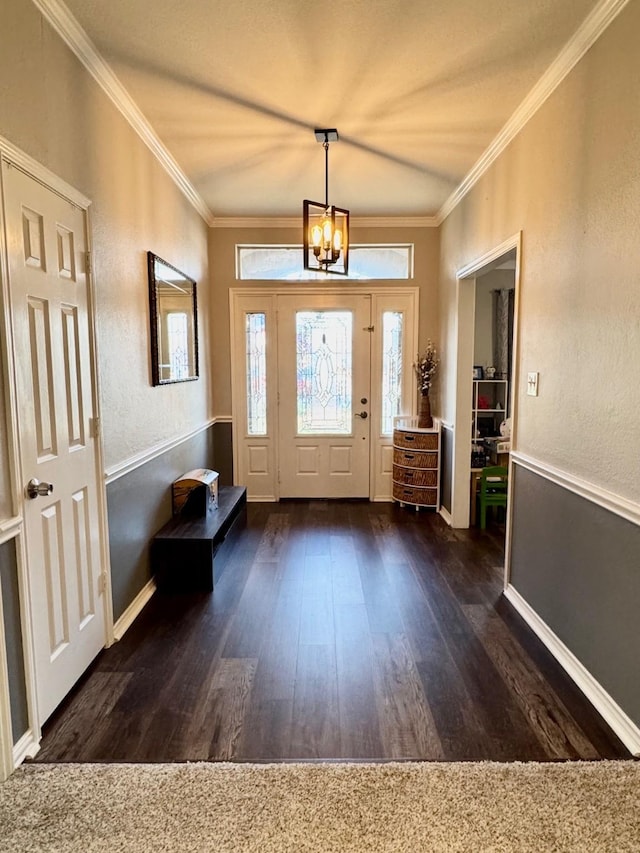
(326, 227)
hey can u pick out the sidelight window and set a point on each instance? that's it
(178, 345)
(256, 351)
(392, 322)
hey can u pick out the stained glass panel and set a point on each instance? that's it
(256, 330)
(324, 372)
(391, 368)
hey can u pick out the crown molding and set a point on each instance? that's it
(296, 222)
(394, 222)
(585, 36)
(70, 31)
(256, 221)
(63, 22)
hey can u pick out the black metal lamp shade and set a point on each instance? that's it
(325, 238)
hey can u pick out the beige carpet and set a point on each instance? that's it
(586, 806)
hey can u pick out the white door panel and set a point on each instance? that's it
(50, 320)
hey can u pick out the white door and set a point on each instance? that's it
(324, 346)
(50, 318)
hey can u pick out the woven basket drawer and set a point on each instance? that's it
(413, 495)
(415, 476)
(416, 440)
(420, 459)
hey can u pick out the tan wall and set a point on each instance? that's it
(52, 109)
(571, 182)
(222, 243)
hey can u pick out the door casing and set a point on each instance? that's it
(264, 448)
(11, 755)
(465, 322)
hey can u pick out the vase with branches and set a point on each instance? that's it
(425, 368)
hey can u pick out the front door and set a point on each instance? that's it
(324, 388)
(47, 237)
(318, 376)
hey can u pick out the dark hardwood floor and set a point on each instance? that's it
(337, 630)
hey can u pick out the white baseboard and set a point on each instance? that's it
(133, 610)
(27, 747)
(446, 515)
(622, 725)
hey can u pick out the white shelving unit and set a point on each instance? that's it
(490, 407)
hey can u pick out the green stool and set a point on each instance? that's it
(494, 484)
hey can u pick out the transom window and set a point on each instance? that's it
(284, 263)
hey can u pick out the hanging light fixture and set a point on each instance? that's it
(326, 227)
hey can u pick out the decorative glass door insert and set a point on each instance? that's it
(324, 372)
(324, 362)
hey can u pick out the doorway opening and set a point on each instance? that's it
(487, 376)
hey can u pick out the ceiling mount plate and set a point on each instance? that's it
(330, 134)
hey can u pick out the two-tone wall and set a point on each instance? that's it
(53, 110)
(570, 183)
(139, 503)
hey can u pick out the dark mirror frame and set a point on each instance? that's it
(153, 261)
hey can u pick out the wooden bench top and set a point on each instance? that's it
(212, 527)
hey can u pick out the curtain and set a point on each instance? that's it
(502, 332)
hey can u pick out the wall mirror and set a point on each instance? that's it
(174, 323)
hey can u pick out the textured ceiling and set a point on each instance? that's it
(417, 89)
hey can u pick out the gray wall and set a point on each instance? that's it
(139, 503)
(446, 467)
(578, 566)
(13, 634)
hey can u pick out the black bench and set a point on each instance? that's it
(183, 551)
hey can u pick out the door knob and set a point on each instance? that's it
(37, 489)
(362, 415)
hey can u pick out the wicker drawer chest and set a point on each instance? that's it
(416, 463)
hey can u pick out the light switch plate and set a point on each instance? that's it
(532, 384)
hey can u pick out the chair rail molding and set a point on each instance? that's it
(617, 504)
(139, 459)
